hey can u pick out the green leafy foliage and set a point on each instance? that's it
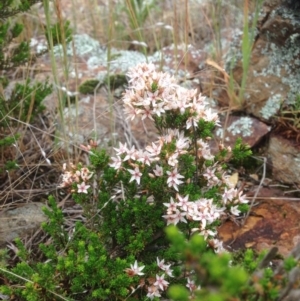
(25, 102)
(244, 275)
(83, 265)
(9, 8)
(9, 140)
(59, 33)
(4, 144)
(17, 55)
(10, 165)
(11, 57)
(289, 263)
(209, 270)
(240, 152)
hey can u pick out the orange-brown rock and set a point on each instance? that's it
(274, 221)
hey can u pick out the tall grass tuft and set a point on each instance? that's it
(249, 33)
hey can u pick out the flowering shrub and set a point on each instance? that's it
(120, 251)
(175, 180)
(180, 164)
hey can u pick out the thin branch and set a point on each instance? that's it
(257, 190)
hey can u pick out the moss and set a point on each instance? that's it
(89, 86)
(115, 81)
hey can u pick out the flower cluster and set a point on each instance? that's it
(153, 93)
(154, 286)
(202, 210)
(76, 175)
(152, 154)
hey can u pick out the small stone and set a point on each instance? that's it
(285, 159)
(21, 221)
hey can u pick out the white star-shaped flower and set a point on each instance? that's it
(82, 188)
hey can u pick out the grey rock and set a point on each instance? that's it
(20, 221)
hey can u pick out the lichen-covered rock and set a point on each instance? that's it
(250, 129)
(274, 72)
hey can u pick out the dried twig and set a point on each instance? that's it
(257, 190)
